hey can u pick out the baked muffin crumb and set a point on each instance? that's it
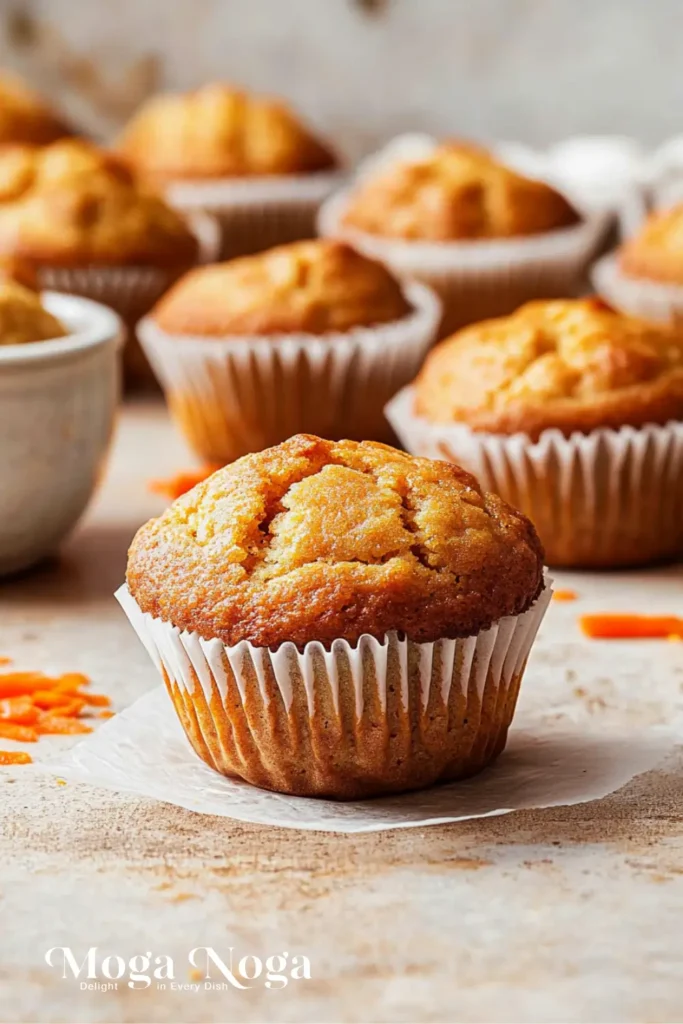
(23, 318)
(656, 251)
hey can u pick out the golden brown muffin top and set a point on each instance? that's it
(24, 117)
(570, 364)
(313, 287)
(656, 252)
(313, 540)
(72, 203)
(220, 131)
(23, 318)
(12, 268)
(457, 192)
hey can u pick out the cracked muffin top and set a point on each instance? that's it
(220, 131)
(569, 364)
(656, 252)
(24, 117)
(71, 203)
(23, 318)
(314, 287)
(314, 540)
(458, 192)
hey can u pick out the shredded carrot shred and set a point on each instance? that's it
(613, 626)
(33, 704)
(20, 733)
(15, 757)
(4, 660)
(565, 595)
(174, 486)
(19, 710)
(53, 725)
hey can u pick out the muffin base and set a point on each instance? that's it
(234, 395)
(650, 300)
(607, 499)
(348, 722)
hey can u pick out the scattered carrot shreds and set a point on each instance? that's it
(174, 486)
(14, 684)
(71, 680)
(105, 714)
(609, 626)
(20, 733)
(8, 757)
(564, 595)
(68, 709)
(96, 700)
(5, 660)
(19, 710)
(52, 725)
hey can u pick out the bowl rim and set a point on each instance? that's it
(93, 323)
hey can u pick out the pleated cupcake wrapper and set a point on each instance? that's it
(651, 300)
(480, 279)
(609, 497)
(238, 394)
(130, 290)
(258, 213)
(470, 684)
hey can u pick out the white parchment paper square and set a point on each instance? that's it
(143, 750)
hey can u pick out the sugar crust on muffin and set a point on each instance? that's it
(72, 203)
(569, 364)
(220, 131)
(315, 287)
(458, 192)
(314, 540)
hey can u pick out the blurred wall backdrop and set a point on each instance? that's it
(363, 70)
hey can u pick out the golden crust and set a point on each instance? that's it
(569, 364)
(459, 192)
(23, 318)
(314, 540)
(219, 131)
(24, 117)
(312, 287)
(71, 203)
(656, 252)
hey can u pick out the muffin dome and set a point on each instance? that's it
(312, 287)
(219, 131)
(22, 316)
(24, 117)
(656, 252)
(314, 540)
(458, 192)
(71, 203)
(574, 365)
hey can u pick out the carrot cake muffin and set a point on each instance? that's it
(485, 236)
(334, 596)
(247, 159)
(308, 336)
(573, 413)
(23, 318)
(24, 117)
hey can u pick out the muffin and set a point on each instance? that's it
(645, 275)
(485, 237)
(244, 158)
(570, 411)
(308, 336)
(83, 220)
(339, 619)
(23, 318)
(24, 117)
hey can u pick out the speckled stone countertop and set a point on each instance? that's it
(567, 914)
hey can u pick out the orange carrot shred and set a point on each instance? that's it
(46, 699)
(53, 725)
(613, 626)
(15, 757)
(5, 660)
(182, 482)
(19, 710)
(564, 595)
(70, 709)
(106, 714)
(20, 733)
(73, 679)
(97, 700)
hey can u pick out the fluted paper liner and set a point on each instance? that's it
(651, 300)
(234, 395)
(606, 498)
(349, 721)
(480, 278)
(257, 213)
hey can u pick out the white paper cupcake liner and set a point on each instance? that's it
(257, 213)
(234, 395)
(347, 721)
(606, 498)
(651, 300)
(485, 278)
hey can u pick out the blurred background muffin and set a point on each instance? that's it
(486, 237)
(25, 117)
(245, 158)
(572, 412)
(23, 318)
(90, 228)
(309, 336)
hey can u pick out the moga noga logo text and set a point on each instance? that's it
(207, 969)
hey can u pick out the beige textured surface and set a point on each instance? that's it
(559, 915)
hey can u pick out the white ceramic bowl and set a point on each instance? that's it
(57, 404)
